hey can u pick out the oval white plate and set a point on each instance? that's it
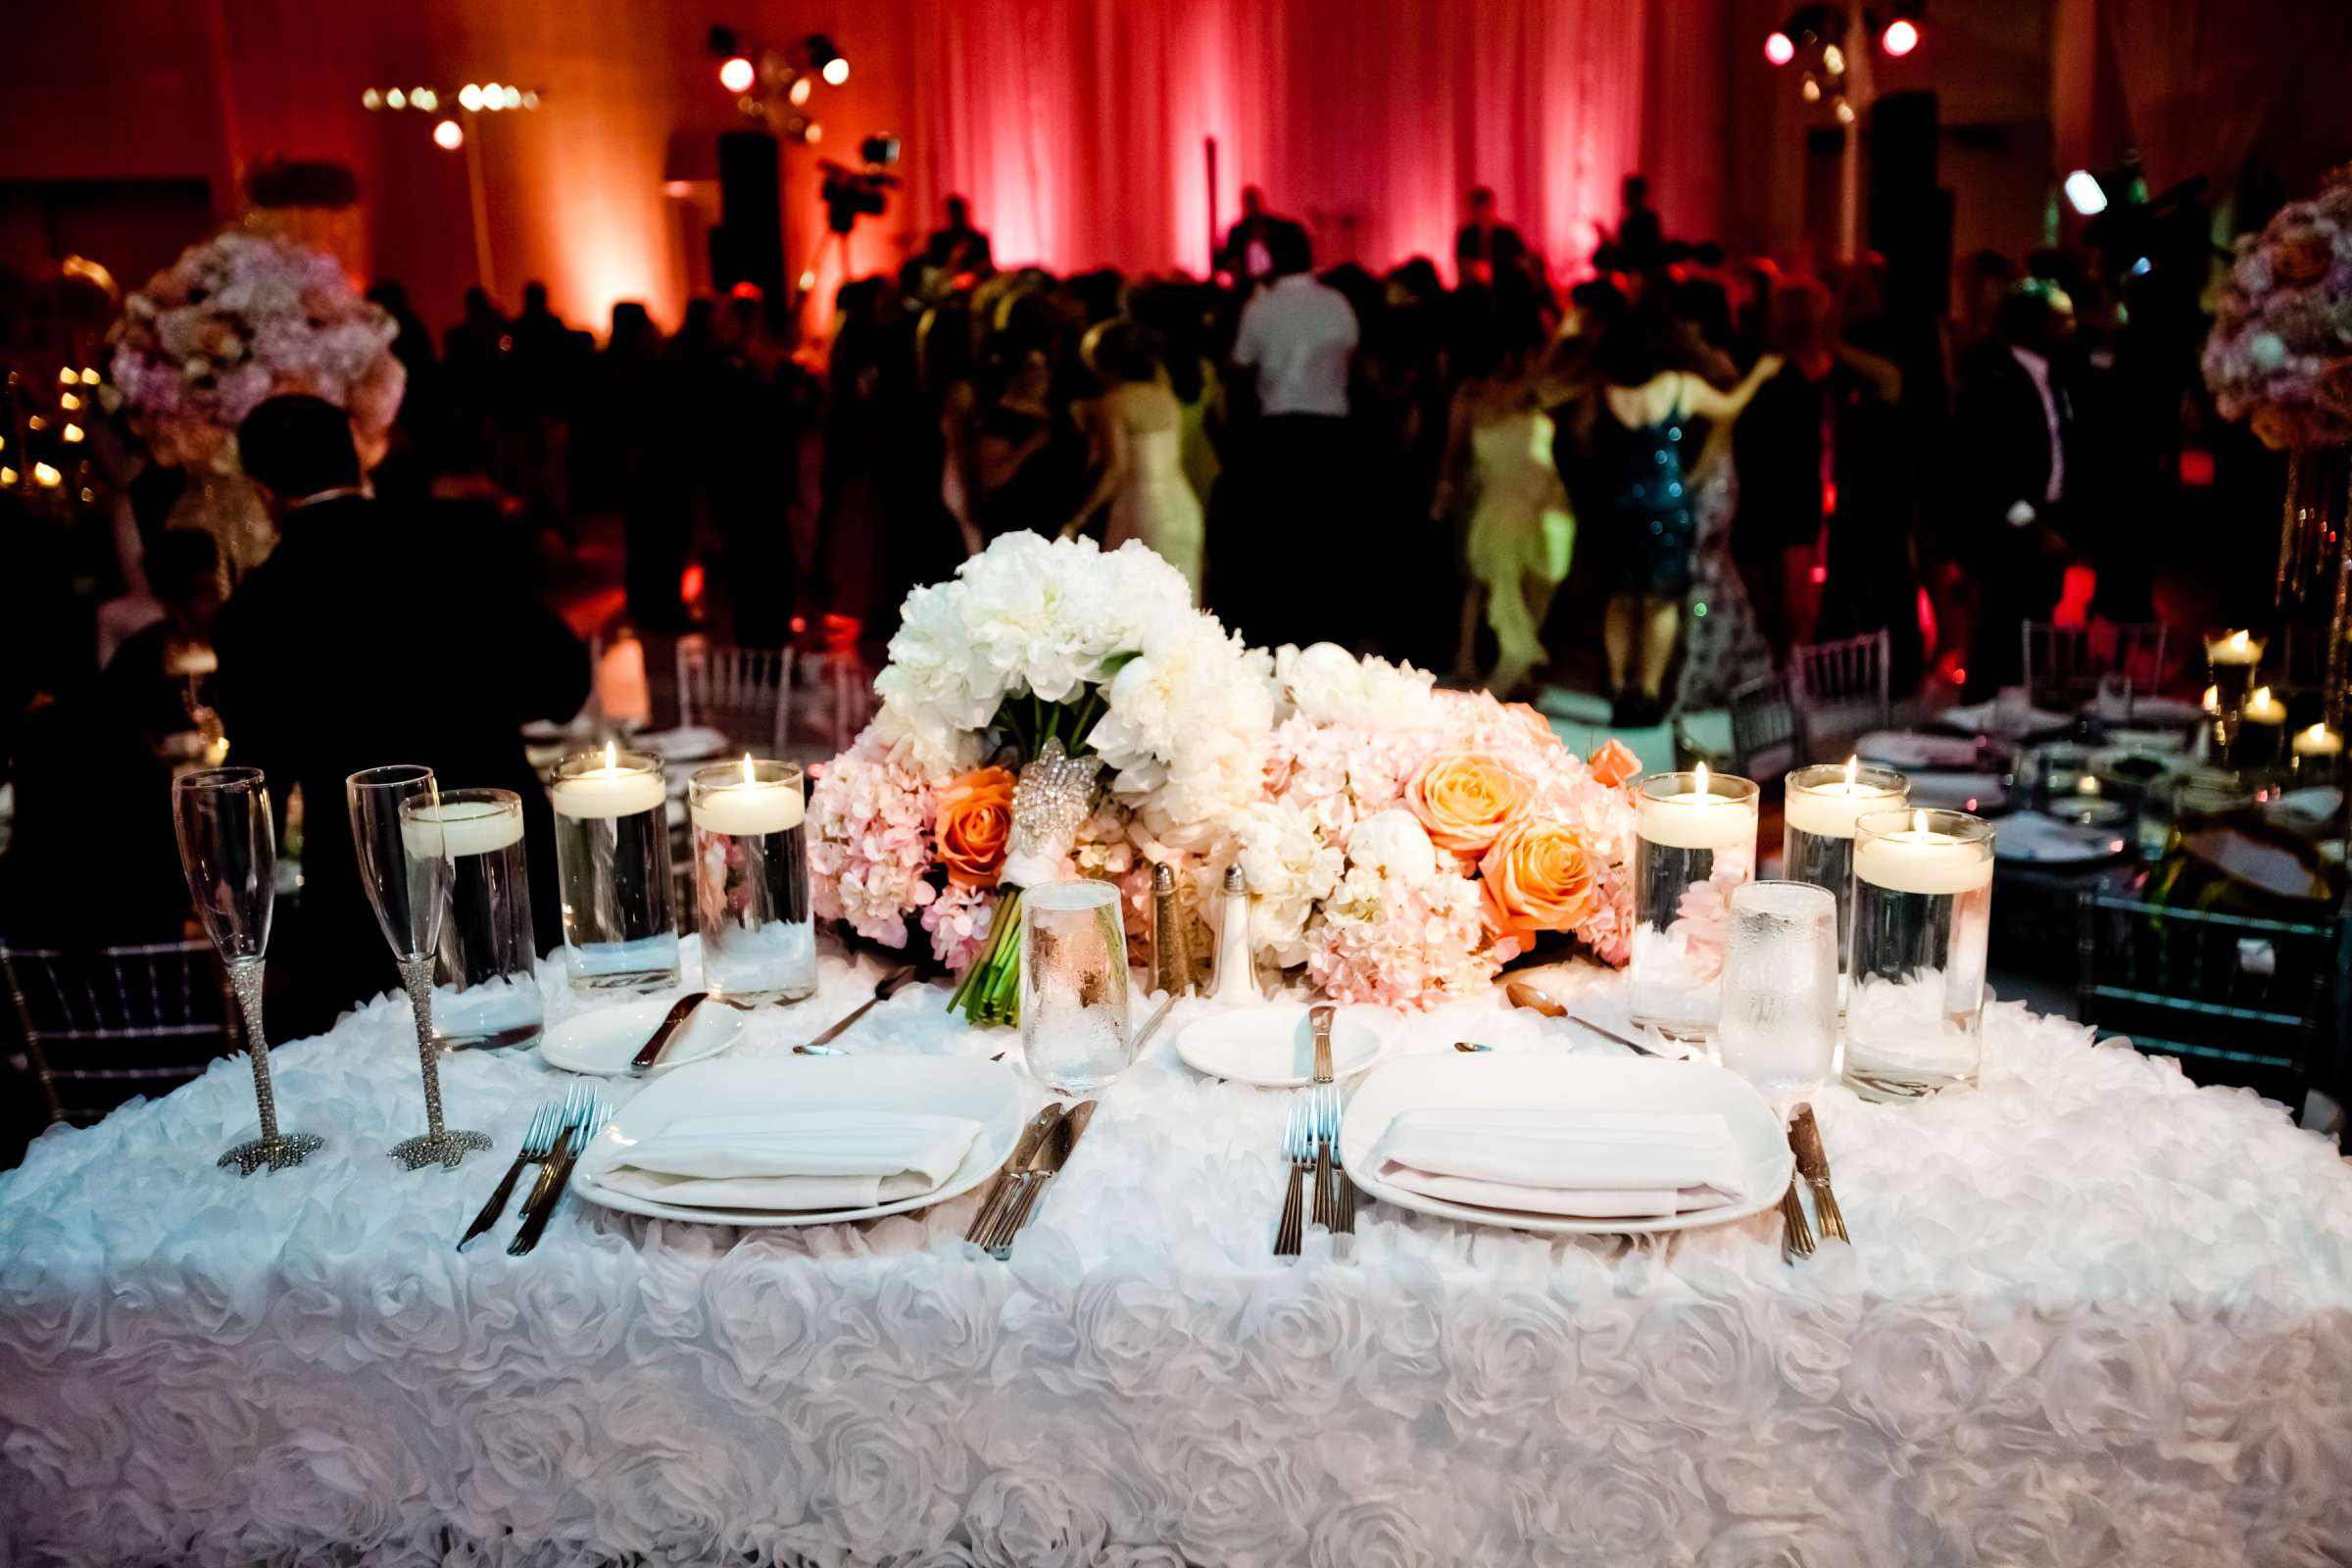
(1274, 1047)
(987, 1091)
(603, 1041)
(1451, 1080)
(689, 744)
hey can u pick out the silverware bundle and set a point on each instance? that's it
(1812, 1171)
(557, 1132)
(1310, 1142)
(1043, 1149)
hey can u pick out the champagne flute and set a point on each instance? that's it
(228, 849)
(407, 878)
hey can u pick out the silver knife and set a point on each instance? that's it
(1024, 1149)
(665, 1031)
(1050, 1158)
(884, 989)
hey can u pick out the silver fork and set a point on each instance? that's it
(586, 1122)
(538, 1142)
(1291, 1233)
(1343, 1190)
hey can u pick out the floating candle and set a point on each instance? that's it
(2264, 709)
(1825, 799)
(741, 802)
(1920, 859)
(2319, 741)
(2237, 648)
(621, 784)
(1699, 818)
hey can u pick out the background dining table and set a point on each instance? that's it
(2090, 1315)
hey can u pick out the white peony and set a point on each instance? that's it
(1394, 843)
(1328, 685)
(1290, 868)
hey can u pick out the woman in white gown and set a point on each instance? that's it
(1136, 426)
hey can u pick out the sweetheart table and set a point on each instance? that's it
(2093, 1315)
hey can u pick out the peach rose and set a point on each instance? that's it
(1613, 763)
(976, 819)
(1464, 800)
(1535, 879)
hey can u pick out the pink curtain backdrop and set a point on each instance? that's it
(1077, 129)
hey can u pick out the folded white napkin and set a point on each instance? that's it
(812, 1160)
(1915, 749)
(1588, 1164)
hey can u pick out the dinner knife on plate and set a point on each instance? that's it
(666, 1031)
(1024, 1149)
(1050, 1156)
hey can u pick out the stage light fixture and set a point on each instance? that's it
(799, 90)
(1779, 47)
(1811, 90)
(1900, 38)
(2086, 194)
(449, 135)
(837, 71)
(469, 97)
(737, 74)
(396, 99)
(1832, 59)
(372, 99)
(424, 98)
(494, 97)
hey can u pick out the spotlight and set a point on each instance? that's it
(1779, 47)
(837, 71)
(737, 74)
(1900, 38)
(494, 97)
(799, 90)
(424, 98)
(1844, 111)
(469, 97)
(396, 99)
(449, 135)
(372, 99)
(1811, 90)
(2083, 190)
(1832, 59)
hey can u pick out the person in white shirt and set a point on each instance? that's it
(1296, 340)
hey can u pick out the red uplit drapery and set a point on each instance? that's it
(1077, 129)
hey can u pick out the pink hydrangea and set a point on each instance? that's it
(869, 842)
(959, 921)
(1393, 943)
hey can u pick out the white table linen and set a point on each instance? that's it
(2094, 1316)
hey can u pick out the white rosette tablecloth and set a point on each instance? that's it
(2095, 1316)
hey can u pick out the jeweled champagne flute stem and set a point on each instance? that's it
(245, 978)
(417, 974)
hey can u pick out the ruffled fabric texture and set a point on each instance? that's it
(2094, 1316)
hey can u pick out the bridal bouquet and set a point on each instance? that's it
(1052, 711)
(236, 320)
(2280, 350)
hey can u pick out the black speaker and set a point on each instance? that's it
(1910, 214)
(748, 245)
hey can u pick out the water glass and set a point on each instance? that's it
(1778, 1028)
(486, 964)
(228, 849)
(751, 881)
(1817, 832)
(612, 866)
(1923, 913)
(1694, 840)
(1075, 984)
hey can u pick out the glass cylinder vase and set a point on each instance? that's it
(751, 881)
(1694, 840)
(1922, 910)
(613, 864)
(485, 964)
(1817, 832)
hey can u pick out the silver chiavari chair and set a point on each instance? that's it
(743, 692)
(100, 1025)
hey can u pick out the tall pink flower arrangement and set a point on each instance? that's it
(2280, 354)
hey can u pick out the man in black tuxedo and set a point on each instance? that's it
(1486, 247)
(369, 637)
(2013, 431)
(957, 248)
(1251, 245)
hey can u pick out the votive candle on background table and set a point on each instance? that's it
(2262, 731)
(488, 953)
(1817, 832)
(1779, 1029)
(612, 866)
(1922, 910)
(751, 881)
(1694, 840)
(2232, 659)
(2319, 754)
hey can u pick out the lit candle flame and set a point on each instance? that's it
(2213, 699)
(1853, 771)
(2237, 642)
(612, 756)
(2261, 698)
(2318, 732)
(1919, 821)
(746, 769)
(1700, 775)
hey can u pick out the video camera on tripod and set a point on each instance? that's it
(853, 193)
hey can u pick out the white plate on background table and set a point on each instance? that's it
(985, 1092)
(1273, 1046)
(2032, 838)
(1959, 792)
(1522, 1081)
(691, 743)
(1899, 747)
(603, 1041)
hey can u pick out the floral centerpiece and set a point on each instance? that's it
(2280, 354)
(1399, 842)
(236, 319)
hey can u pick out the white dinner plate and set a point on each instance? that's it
(1910, 748)
(1959, 792)
(603, 1041)
(1274, 1047)
(986, 1092)
(1453, 1081)
(691, 743)
(2035, 838)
